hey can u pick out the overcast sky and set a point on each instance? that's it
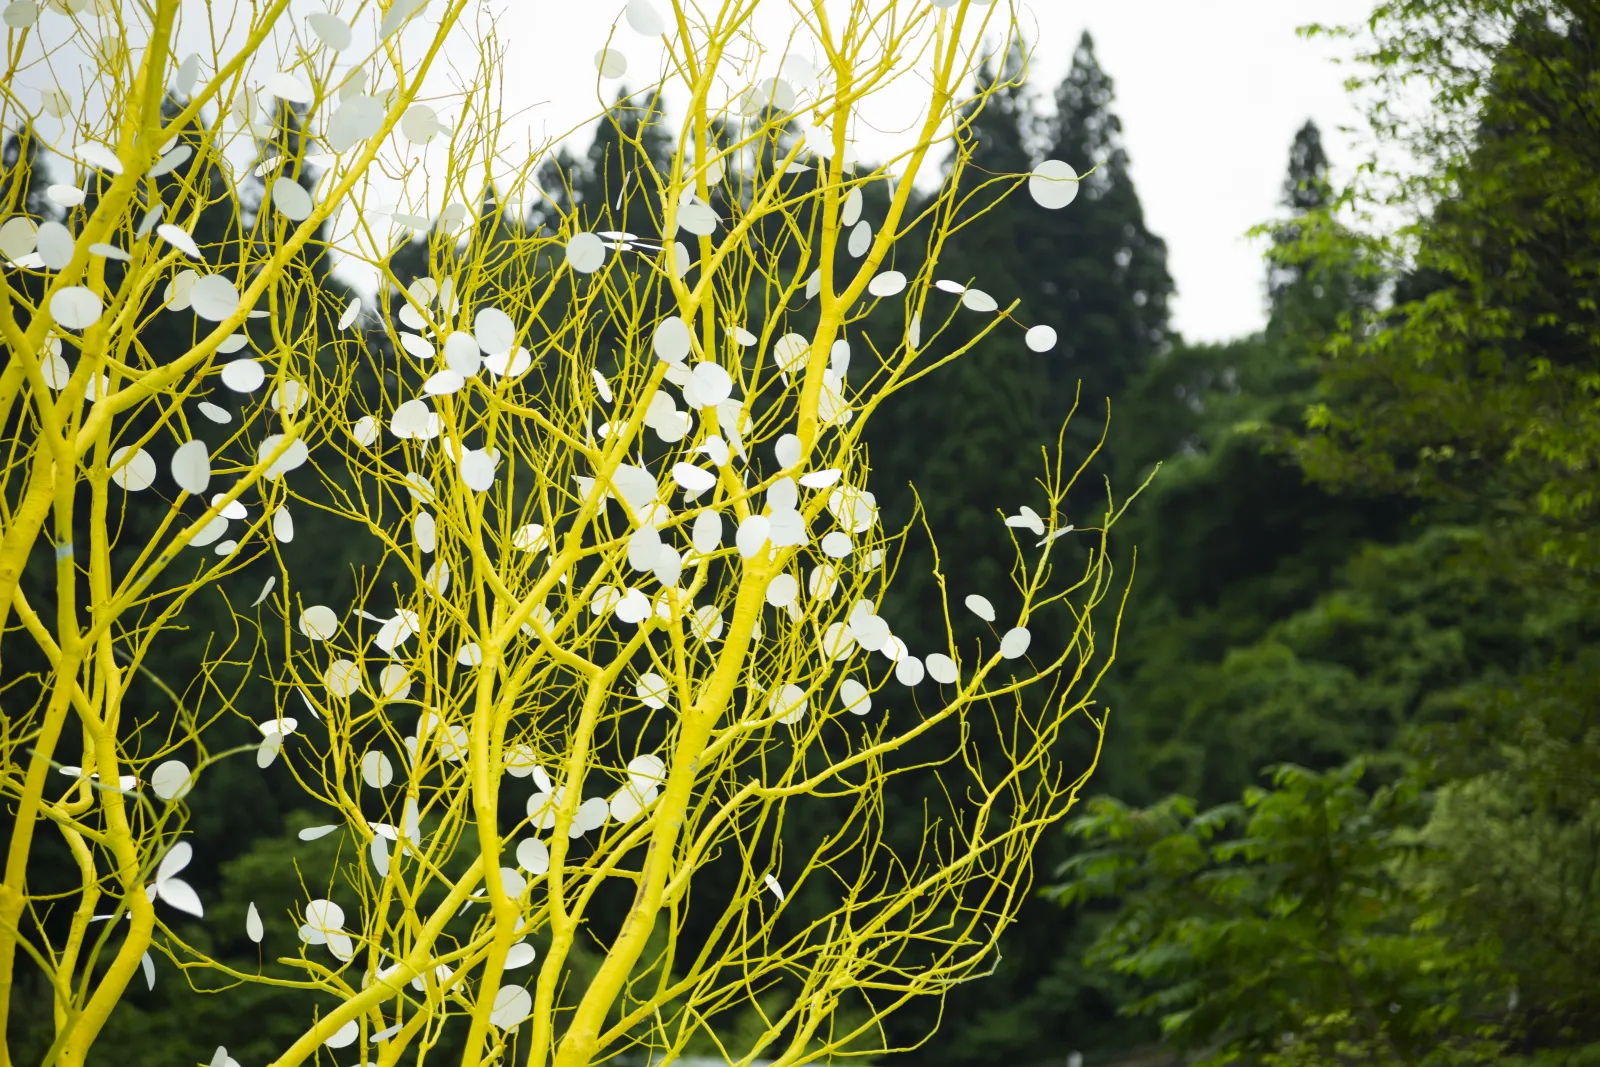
(1210, 93)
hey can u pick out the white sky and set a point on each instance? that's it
(1210, 93)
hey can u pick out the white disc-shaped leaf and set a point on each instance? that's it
(670, 342)
(132, 469)
(55, 370)
(19, 236)
(376, 770)
(231, 510)
(752, 534)
(851, 212)
(644, 545)
(424, 531)
(854, 696)
(860, 241)
(707, 536)
(586, 253)
(669, 566)
(342, 678)
(283, 525)
(1053, 184)
(632, 608)
(55, 245)
(191, 467)
(477, 470)
(653, 690)
(413, 344)
(512, 1005)
(291, 457)
(787, 452)
(462, 354)
(253, 927)
(529, 538)
(822, 581)
(978, 300)
(1040, 339)
(643, 18)
(712, 383)
(789, 704)
(706, 623)
(646, 772)
(887, 283)
(188, 73)
(533, 856)
(352, 311)
(291, 199)
(509, 364)
(980, 606)
(494, 330)
(210, 533)
(420, 124)
(784, 495)
(512, 882)
(782, 590)
(357, 118)
(214, 298)
(19, 15)
(790, 351)
(945, 285)
(243, 375)
(410, 420)
(394, 682)
(908, 670)
(611, 63)
(318, 622)
(75, 308)
(171, 780)
(287, 86)
(698, 219)
(378, 850)
(591, 815)
(628, 803)
(267, 750)
(331, 30)
(941, 668)
(68, 196)
(870, 631)
(99, 157)
(693, 479)
(283, 724)
(179, 239)
(180, 291)
(346, 1035)
(1015, 642)
(520, 955)
(443, 383)
(836, 544)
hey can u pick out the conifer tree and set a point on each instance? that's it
(1100, 276)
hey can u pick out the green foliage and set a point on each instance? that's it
(1479, 385)
(1283, 923)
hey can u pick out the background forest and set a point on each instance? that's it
(1348, 808)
